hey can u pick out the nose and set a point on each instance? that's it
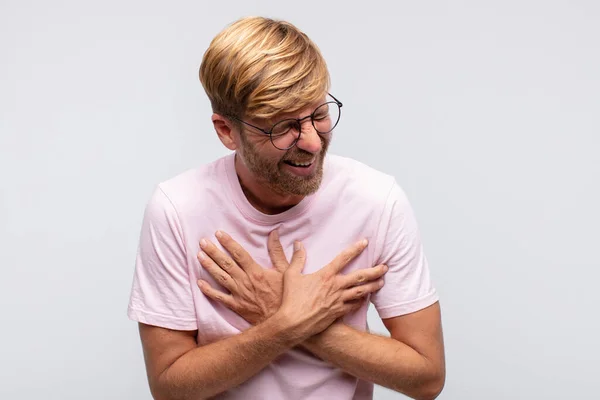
(309, 139)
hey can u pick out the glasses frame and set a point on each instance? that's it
(298, 121)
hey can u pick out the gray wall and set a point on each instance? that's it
(486, 112)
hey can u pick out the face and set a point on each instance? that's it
(296, 171)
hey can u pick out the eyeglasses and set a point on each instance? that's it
(285, 134)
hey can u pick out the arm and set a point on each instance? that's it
(162, 302)
(411, 361)
(161, 298)
(178, 369)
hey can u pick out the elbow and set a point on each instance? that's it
(168, 392)
(160, 391)
(426, 384)
(163, 396)
(430, 392)
(158, 394)
(172, 395)
(432, 387)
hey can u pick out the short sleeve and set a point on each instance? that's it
(408, 286)
(161, 292)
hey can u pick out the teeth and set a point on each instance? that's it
(306, 164)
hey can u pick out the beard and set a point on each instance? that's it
(270, 172)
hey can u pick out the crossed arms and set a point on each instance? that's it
(289, 309)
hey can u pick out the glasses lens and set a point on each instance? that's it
(284, 134)
(326, 117)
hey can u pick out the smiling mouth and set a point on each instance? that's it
(299, 164)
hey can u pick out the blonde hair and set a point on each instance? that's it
(259, 67)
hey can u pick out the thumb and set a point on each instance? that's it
(298, 258)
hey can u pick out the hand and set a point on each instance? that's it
(312, 302)
(254, 291)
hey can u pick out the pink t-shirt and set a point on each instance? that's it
(353, 202)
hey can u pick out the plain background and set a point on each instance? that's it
(486, 112)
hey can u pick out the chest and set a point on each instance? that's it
(323, 234)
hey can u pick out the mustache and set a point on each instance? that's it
(299, 155)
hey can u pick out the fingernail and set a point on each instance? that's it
(201, 255)
(297, 246)
(203, 243)
(200, 282)
(219, 234)
(385, 268)
(276, 234)
(364, 242)
(380, 283)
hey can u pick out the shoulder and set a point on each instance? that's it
(359, 180)
(194, 187)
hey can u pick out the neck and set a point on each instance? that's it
(262, 197)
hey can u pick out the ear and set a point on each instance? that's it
(225, 130)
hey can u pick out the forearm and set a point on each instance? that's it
(378, 359)
(209, 370)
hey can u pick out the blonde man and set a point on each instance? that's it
(254, 272)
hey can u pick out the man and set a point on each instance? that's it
(254, 272)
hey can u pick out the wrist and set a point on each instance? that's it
(323, 338)
(286, 329)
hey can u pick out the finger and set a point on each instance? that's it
(218, 274)
(276, 253)
(360, 291)
(242, 258)
(363, 276)
(216, 295)
(299, 257)
(353, 305)
(347, 255)
(225, 262)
